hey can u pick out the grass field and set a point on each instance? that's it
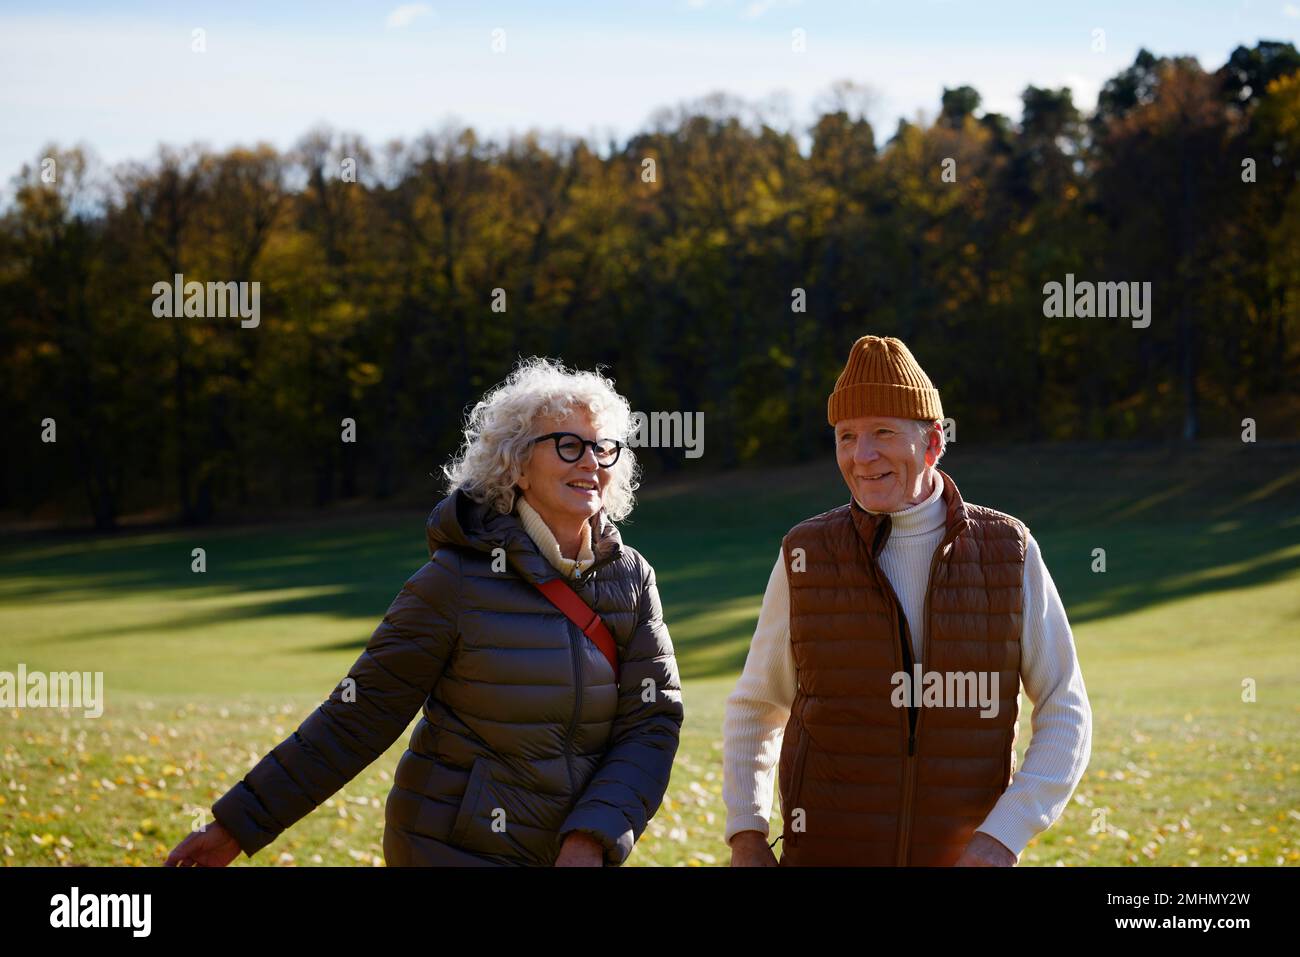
(204, 673)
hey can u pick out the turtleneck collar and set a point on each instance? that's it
(547, 544)
(919, 519)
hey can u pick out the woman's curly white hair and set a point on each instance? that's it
(500, 429)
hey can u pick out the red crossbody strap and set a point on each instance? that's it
(558, 592)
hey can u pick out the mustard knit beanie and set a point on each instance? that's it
(882, 378)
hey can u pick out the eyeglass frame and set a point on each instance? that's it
(618, 447)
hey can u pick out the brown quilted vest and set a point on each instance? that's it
(864, 782)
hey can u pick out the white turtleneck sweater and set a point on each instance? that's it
(549, 546)
(759, 707)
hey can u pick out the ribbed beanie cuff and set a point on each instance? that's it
(882, 378)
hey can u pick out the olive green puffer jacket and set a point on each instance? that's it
(524, 735)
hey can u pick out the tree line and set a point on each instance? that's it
(709, 264)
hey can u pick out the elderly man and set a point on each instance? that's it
(907, 581)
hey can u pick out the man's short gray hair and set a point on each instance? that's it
(925, 425)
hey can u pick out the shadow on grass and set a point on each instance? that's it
(1174, 524)
(312, 572)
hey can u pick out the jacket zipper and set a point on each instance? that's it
(595, 566)
(576, 638)
(577, 705)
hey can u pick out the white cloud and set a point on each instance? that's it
(407, 14)
(1083, 90)
(759, 7)
(1291, 10)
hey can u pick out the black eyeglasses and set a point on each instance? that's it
(572, 447)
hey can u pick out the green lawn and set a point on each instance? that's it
(204, 673)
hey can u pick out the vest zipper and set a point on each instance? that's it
(915, 713)
(907, 668)
(909, 786)
(909, 766)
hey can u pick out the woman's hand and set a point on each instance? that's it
(581, 850)
(213, 846)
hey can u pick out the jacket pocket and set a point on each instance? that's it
(473, 787)
(503, 820)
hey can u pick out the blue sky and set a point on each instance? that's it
(122, 77)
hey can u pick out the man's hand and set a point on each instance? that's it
(749, 849)
(581, 850)
(986, 851)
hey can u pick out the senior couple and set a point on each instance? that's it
(533, 647)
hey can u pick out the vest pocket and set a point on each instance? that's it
(796, 790)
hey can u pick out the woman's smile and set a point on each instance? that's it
(588, 489)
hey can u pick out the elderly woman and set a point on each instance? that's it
(533, 638)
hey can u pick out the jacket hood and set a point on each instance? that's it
(459, 520)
